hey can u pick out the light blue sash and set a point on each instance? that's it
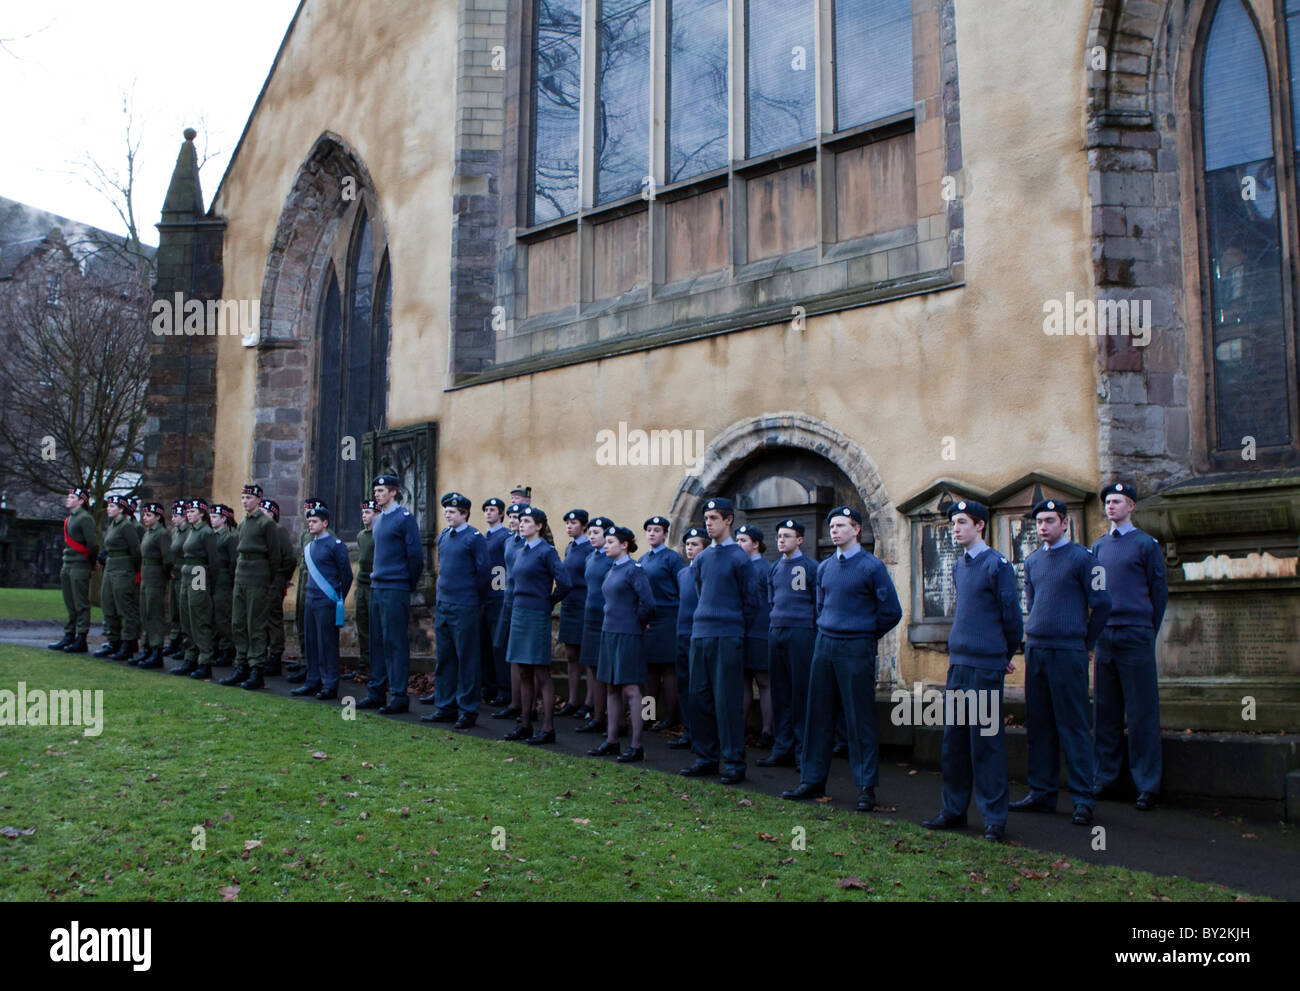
(325, 586)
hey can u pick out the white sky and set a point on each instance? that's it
(61, 97)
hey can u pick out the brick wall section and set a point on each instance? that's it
(1134, 188)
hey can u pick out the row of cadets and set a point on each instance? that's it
(573, 608)
(661, 564)
(327, 577)
(595, 568)
(496, 671)
(694, 540)
(791, 586)
(750, 540)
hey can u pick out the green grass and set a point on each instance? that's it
(392, 811)
(38, 603)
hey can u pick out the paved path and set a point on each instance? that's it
(1262, 857)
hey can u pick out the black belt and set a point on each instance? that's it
(119, 553)
(196, 560)
(252, 555)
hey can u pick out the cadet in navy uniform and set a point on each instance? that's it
(629, 609)
(729, 594)
(791, 586)
(495, 670)
(1124, 676)
(328, 576)
(986, 632)
(540, 582)
(856, 606)
(573, 608)
(463, 581)
(1068, 607)
(594, 571)
(399, 562)
(750, 539)
(501, 636)
(694, 540)
(661, 564)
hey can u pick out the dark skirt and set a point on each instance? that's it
(755, 654)
(661, 639)
(571, 621)
(590, 655)
(530, 637)
(622, 659)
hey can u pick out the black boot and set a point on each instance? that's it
(254, 681)
(126, 651)
(110, 647)
(67, 641)
(146, 652)
(238, 677)
(77, 646)
(223, 658)
(173, 648)
(202, 672)
(154, 660)
(187, 668)
(272, 666)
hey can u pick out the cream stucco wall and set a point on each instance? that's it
(972, 363)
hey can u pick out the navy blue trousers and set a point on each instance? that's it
(321, 644)
(718, 699)
(494, 671)
(843, 668)
(972, 760)
(1124, 686)
(457, 676)
(390, 649)
(789, 653)
(1057, 719)
(683, 665)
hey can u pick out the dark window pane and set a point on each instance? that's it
(622, 98)
(327, 403)
(1293, 50)
(780, 74)
(1248, 352)
(697, 87)
(379, 351)
(556, 68)
(356, 387)
(873, 60)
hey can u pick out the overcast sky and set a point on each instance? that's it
(67, 66)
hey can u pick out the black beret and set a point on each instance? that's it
(750, 531)
(1119, 488)
(221, 509)
(271, 506)
(514, 507)
(532, 512)
(79, 492)
(656, 521)
(1049, 506)
(200, 504)
(178, 506)
(390, 481)
(604, 522)
(494, 501)
(794, 525)
(318, 513)
(696, 531)
(153, 507)
(252, 488)
(845, 511)
(720, 504)
(117, 500)
(311, 502)
(580, 515)
(623, 534)
(971, 508)
(457, 501)
(369, 504)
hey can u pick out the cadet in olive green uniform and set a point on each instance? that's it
(121, 560)
(297, 673)
(133, 511)
(155, 561)
(361, 595)
(176, 648)
(279, 588)
(223, 644)
(198, 577)
(80, 548)
(258, 550)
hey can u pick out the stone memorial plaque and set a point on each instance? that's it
(1231, 633)
(1023, 536)
(938, 553)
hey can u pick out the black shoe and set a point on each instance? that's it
(394, 708)
(994, 832)
(776, 760)
(370, 702)
(765, 742)
(238, 677)
(502, 700)
(467, 721)
(110, 647)
(663, 726)
(189, 667)
(255, 681)
(202, 672)
(125, 651)
(153, 661)
(67, 641)
(603, 750)
(700, 769)
(77, 646)
(1082, 816)
(841, 750)
(296, 679)
(569, 710)
(945, 821)
(866, 799)
(1031, 804)
(541, 737)
(144, 655)
(632, 755)
(306, 690)
(293, 670)
(592, 726)
(521, 732)
(733, 777)
(223, 658)
(682, 743)
(325, 694)
(510, 712)
(1146, 801)
(427, 699)
(805, 791)
(173, 646)
(584, 712)
(271, 669)
(440, 716)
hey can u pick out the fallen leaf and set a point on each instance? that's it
(1249, 836)
(365, 815)
(252, 844)
(767, 837)
(320, 755)
(852, 881)
(744, 801)
(12, 832)
(581, 822)
(1061, 865)
(824, 799)
(1038, 875)
(229, 892)
(834, 854)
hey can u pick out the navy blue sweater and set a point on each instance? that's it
(331, 559)
(987, 626)
(661, 568)
(508, 552)
(594, 575)
(399, 557)
(856, 597)
(687, 599)
(1059, 592)
(463, 573)
(496, 551)
(756, 625)
(575, 569)
(792, 592)
(629, 600)
(1135, 578)
(536, 570)
(728, 589)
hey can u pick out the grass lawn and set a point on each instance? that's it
(39, 603)
(294, 801)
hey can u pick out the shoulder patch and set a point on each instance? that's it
(1003, 560)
